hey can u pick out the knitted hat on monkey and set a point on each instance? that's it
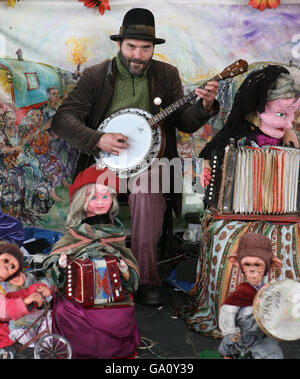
(255, 245)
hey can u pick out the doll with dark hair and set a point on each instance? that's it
(14, 305)
(94, 231)
(262, 114)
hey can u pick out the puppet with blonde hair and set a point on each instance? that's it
(94, 231)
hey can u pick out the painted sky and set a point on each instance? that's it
(201, 38)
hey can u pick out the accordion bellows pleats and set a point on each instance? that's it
(256, 181)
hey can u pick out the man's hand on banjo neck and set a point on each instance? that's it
(208, 94)
(112, 143)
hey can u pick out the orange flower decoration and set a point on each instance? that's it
(103, 5)
(263, 4)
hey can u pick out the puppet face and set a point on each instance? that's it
(100, 202)
(8, 266)
(278, 116)
(254, 269)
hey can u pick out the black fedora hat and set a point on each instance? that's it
(138, 23)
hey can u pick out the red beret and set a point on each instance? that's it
(93, 175)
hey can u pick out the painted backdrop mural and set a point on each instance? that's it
(45, 45)
(34, 162)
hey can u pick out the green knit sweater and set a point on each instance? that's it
(129, 91)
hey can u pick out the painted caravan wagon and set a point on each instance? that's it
(24, 84)
(33, 161)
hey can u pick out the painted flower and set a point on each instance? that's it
(103, 5)
(11, 3)
(263, 4)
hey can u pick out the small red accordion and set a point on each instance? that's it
(93, 281)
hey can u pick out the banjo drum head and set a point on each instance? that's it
(276, 309)
(144, 142)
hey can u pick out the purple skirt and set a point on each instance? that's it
(97, 333)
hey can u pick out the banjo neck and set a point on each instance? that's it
(176, 105)
(231, 71)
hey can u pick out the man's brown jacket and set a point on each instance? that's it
(79, 117)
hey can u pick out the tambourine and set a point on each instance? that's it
(276, 309)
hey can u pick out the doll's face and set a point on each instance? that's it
(278, 116)
(254, 269)
(8, 266)
(100, 202)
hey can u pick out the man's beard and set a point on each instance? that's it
(127, 63)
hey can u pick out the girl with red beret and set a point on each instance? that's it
(95, 231)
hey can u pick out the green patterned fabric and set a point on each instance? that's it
(216, 277)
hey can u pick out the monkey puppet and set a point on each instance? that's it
(241, 334)
(15, 305)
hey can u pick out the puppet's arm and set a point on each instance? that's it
(12, 309)
(25, 292)
(14, 305)
(124, 269)
(290, 136)
(205, 175)
(227, 324)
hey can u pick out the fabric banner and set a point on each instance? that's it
(45, 46)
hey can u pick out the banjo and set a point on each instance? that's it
(146, 138)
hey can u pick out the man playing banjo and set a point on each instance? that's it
(133, 79)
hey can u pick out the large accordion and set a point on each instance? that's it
(93, 281)
(250, 180)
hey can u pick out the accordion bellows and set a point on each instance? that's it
(256, 181)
